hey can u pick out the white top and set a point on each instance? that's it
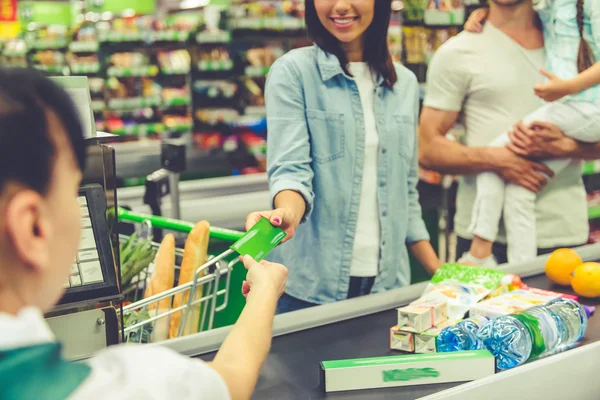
(365, 254)
(125, 371)
(490, 78)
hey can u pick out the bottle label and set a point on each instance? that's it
(533, 327)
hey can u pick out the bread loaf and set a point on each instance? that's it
(195, 254)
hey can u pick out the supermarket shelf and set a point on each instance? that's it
(133, 103)
(208, 66)
(175, 71)
(177, 101)
(150, 70)
(138, 129)
(84, 47)
(53, 69)
(47, 44)
(213, 37)
(89, 68)
(256, 71)
(268, 24)
(118, 37)
(170, 36)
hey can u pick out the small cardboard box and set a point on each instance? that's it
(417, 317)
(425, 342)
(402, 341)
(407, 370)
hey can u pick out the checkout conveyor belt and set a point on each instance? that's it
(356, 328)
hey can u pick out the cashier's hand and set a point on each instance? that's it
(283, 218)
(540, 140)
(264, 276)
(520, 171)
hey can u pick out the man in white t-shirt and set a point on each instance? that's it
(42, 156)
(485, 81)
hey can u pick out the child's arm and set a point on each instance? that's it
(556, 88)
(476, 20)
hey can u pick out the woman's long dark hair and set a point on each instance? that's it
(375, 53)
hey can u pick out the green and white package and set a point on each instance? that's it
(461, 286)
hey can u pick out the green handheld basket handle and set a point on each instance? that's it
(175, 225)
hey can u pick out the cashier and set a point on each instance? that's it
(342, 159)
(42, 155)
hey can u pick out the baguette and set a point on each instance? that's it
(163, 275)
(162, 279)
(195, 254)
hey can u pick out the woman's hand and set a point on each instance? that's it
(283, 218)
(475, 22)
(554, 89)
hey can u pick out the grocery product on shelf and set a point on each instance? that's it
(537, 332)
(461, 336)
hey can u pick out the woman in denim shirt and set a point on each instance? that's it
(342, 159)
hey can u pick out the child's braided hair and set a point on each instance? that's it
(585, 59)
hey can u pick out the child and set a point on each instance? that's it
(572, 42)
(42, 155)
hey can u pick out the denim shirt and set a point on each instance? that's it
(561, 40)
(316, 146)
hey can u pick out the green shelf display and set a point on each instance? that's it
(134, 130)
(177, 101)
(119, 72)
(89, 68)
(175, 71)
(120, 37)
(53, 69)
(14, 53)
(47, 44)
(180, 128)
(272, 24)
(215, 65)
(213, 37)
(170, 36)
(256, 71)
(84, 47)
(133, 103)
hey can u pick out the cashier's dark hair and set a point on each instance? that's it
(376, 52)
(27, 149)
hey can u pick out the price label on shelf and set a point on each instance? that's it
(213, 37)
(88, 47)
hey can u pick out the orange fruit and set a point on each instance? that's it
(561, 264)
(586, 280)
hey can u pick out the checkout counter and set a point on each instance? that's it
(359, 328)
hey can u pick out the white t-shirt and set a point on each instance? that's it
(490, 79)
(125, 371)
(365, 253)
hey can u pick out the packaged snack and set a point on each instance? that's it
(513, 302)
(462, 287)
(422, 315)
(402, 341)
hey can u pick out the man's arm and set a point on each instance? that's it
(245, 349)
(455, 158)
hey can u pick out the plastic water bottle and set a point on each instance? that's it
(462, 336)
(537, 332)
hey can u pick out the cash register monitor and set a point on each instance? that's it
(93, 274)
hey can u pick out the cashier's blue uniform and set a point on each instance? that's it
(31, 368)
